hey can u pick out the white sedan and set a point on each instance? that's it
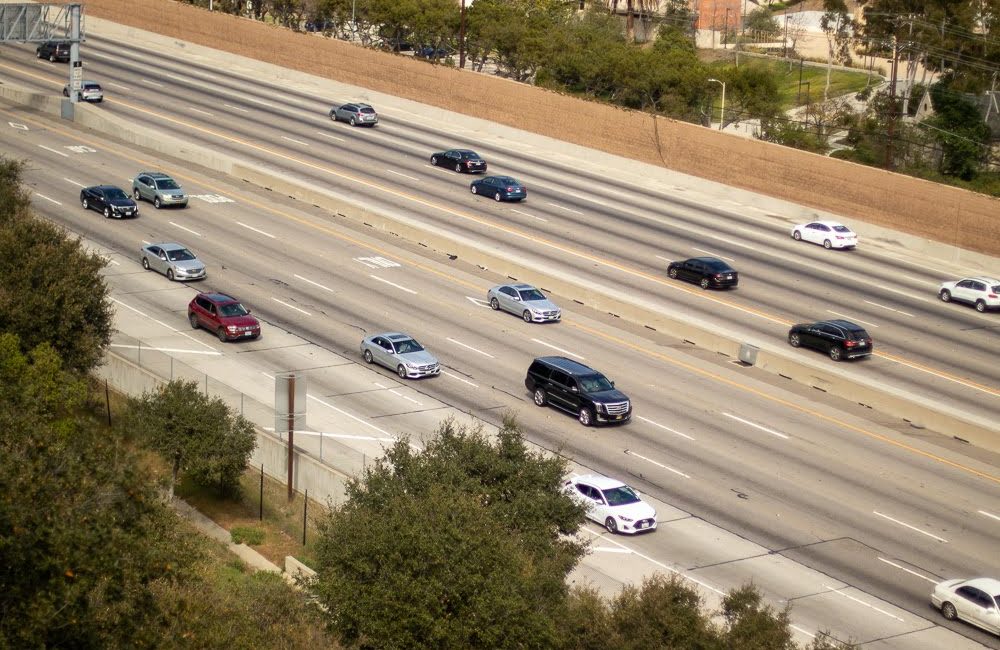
(612, 504)
(975, 601)
(828, 234)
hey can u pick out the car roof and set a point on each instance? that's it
(395, 336)
(105, 187)
(568, 365)
(504, 179)
(520, 286)
(982, 278)
(218, 298)
(90, 82)
(466, 151)
(159, 175)
(829, 223)
(844, 324)
(989, 585)
(598, 481)
(170, 246)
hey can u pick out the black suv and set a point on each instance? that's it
(841, 339)
(53, 51)
(576, 388)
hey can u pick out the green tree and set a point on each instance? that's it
(461, 545)
(751, 92)
(200, 436)
(661, 613)
(751, 624)
(516, 33)
(421, 22)
(52, 290)
(960, 130)
(761, 24)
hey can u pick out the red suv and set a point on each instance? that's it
(223, 315)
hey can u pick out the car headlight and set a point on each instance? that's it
(411, 366)
(624, 518)
(600, 408)
(231, 328)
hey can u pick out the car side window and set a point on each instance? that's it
(507, 291)
(979, 286)
(539, 369)
(201, 302)
(965, 284)
(970, 593)
(561, 378)
(822, 227)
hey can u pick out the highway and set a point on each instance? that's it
(812, 478)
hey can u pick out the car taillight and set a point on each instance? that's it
(510, 189)
(991, 295)
(850, 344)
(718, 275)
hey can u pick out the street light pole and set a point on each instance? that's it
(461, 40)
(722, 111)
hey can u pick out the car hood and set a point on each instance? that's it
(635, 511)
(240, 321)
(177, 192)
(613, 395)
(422, 358)
(541, 305)
(122, 203)
(189, 265)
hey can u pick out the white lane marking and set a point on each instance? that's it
(987, 514)
(253, 100)
(175, 350)
(236, 108)
(159, 322)
(563, 207)
(665, 259)
(549, 345)
(903, 568)
(353, 417)
(317, 284)
(869, 605)
(18, 126)
(342, 436)
(902, 523)
(661, 465)
(397, 393)
(412, 178)
(112, 261)
(304, 144)
(392, 284)
(177, 225)
(150, 82)
(655, 562)
(607, 549)
(267, 234)
(464, 381)
(282, 302)
(485, 354)
(702, 250)
(42, 196)
(657, 424)
(796, 627)
(898, 311)
(528, 215)
(478, 301)
(111, 83)
(198, 110)
(377, 262)
(331, 136)
(852, 318)
(72, 182)
(757, 426)
(56, 151)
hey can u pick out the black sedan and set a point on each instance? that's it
(461, 160)
(706, 272)
(109, 200)
(501, 188)
(841, 339)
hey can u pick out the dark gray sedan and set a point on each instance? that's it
(109, 200)
(461, 160)
(355, 114)
(172, 260)
(400, 352)
(524, 300)
(500, 188)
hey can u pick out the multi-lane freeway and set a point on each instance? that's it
(827, 483)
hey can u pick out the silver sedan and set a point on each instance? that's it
(400, 352)
(524, 300)
(172, 260)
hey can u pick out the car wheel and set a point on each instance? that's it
(980, 306)
(794, 340)
(156, 202)
(497, 197)
(458, 167)
(434, 160)
(333, 116)
(352, 121)
(170, 274)
(52, 58)
(136, 195)
(835, 353)
(221, 333)
(401, 371)
(495, 304)
(827, 245)
(85, 203)
(526, 316)
(797, 236)
(586, 418)
(145, 263)
(672, 273)
(474, 189)
(368, 356)
(704, 283)
(193, 319)
(541, 399)
(107, 212)
(611, 525)
(38, 54)
(948, 611)
(945, 295)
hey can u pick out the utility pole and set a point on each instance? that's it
(784, 44)
(725, 30)
(892, 105)
(461, 40)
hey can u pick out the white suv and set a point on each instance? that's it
(984, 293)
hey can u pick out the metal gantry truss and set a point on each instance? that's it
(35, 23)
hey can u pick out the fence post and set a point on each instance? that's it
(107, 400)
(305, 512)
(262, 491)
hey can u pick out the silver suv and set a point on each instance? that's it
(159, 189)
(355, 114)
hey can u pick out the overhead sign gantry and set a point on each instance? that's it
(37, 23)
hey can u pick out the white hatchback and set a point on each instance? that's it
(975, 601)
(982, 293)
(828, 234)
(612, 504)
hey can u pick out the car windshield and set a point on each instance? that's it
(842, 229)
(621, 496)
(469, 155)
(167, 184)
(115, 194)
(718, 266)
(407, 346)
(595, 383)
(233, 309)
(91, 87)
(369, 111)
(528, 295)
(859, 334)
(180, 255)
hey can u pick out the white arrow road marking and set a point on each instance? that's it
(478, 301)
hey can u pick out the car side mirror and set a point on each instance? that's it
(612, 383)
(249, 312)
(516, 298)
(574, 389)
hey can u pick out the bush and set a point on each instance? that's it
(249, 535)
